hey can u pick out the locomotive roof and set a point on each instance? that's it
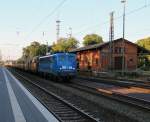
(54, 55)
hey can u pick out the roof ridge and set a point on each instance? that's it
(96, 45)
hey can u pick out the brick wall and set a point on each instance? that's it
(99, 59)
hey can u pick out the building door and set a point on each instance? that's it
(118, 63)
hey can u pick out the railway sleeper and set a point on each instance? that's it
(75, 118)
(61, 108)
(64, 112)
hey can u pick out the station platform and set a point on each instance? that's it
(17, 104)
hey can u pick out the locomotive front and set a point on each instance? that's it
(67, 65)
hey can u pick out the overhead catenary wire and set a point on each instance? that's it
(119, 17)
(46, 17)
(6, 45)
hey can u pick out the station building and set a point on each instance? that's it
(100, 57)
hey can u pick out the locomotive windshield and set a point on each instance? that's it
(71, 58)
(62, 58)
(68, 58)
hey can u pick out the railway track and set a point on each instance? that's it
(143, 84)
(133, 101)
(130, 100)
(62, 109)
(137, 104)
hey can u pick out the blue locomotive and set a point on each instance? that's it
(59, 65)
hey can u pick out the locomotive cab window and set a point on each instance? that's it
(62, 58)
(54, 59)
(71, 58)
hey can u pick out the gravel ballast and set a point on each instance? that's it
(100, 107)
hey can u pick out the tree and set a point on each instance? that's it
(144, 43)
(34, 49)
(92, 39)
(60, 46)
(42, 50)
(65, 45)
(144, 60)
(72, 43)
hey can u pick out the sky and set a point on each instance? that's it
(24, 21)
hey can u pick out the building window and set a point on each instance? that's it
(96, 61)
(118, 50)
(131, 60)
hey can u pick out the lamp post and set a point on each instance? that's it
(123, 36)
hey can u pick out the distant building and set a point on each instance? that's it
(98, 57)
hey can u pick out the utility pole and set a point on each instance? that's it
(123, 41)
(111, 38)
(43, 34)
(70, 32)
(57, 29)
(46, 47)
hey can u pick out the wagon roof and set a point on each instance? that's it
(100, 45)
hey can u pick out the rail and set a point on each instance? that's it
(62, 107)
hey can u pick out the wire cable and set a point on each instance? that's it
(46, 17)
(106, 22)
